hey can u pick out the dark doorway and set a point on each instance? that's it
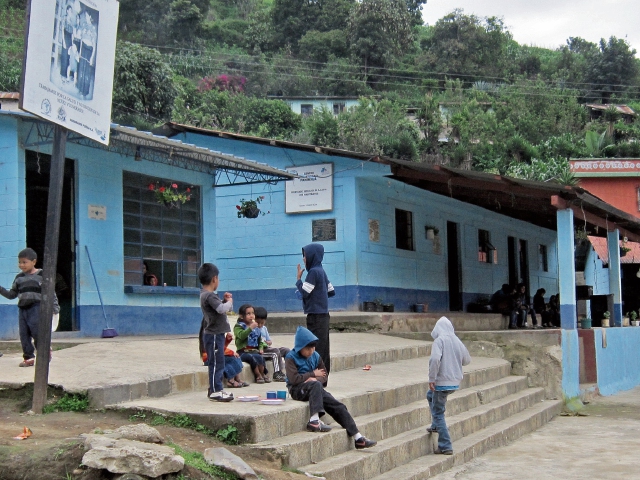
(523, 253)
(513, 261)
(37, 192)
(454, 268)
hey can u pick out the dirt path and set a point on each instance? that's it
(53, 452)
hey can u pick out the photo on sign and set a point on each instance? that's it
(75, 44)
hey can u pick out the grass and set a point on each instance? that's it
(196, 460)
(70, 402)
(228, 435)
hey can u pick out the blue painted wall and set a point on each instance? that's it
(596, 274)
(98, 182)
(296, 104)
(617, 364)
(263, 252)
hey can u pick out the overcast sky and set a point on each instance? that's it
(548, 23)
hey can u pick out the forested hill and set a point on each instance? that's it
(510, 108)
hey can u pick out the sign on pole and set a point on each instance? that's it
(68, 68)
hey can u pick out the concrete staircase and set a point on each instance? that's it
(388, 402)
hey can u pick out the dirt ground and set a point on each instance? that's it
(54, 452)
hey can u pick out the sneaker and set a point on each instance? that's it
(364, 442)
(279, 377)
(318, 426)
(267, 379)
(221, 396)
(28, 363)
(432, 429)
(443, 452)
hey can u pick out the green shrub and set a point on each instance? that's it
(70, 402)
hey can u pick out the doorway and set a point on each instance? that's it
(38, 166)
(518, 262)
(454, 268)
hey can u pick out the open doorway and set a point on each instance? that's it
(454, 268)
(38, 166)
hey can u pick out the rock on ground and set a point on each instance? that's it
(223, 458)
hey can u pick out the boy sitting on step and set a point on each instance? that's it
(448, 355)
(275, 354)
(305, 375)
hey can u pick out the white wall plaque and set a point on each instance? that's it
(313, 193)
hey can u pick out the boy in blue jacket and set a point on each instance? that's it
(305, 375)
(448, 355)
(316, 290)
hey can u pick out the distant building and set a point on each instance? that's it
(9, 101)
(596, 110)
(306, 105)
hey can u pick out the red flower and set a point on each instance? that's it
(152, 186)
(261, 197)
(238, 207)
(188, 189)
(174, 185)
(162, 189)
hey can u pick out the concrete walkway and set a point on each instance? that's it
(603, 445)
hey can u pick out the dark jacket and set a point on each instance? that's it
(316, 288)
(299, 368)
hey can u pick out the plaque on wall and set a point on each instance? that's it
(374, 230)
(323, 230)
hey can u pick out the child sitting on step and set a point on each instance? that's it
(275, 354)
(305, 376)
(448, 355)
(244, 328)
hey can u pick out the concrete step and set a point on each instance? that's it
(301, 448)
(476, 444)
(405, 447)
(385, 386)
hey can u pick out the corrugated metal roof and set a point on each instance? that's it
(624, 109)
(602, 250)
(9, 96)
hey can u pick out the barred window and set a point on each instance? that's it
(404, 229)
(485, 249)
(164, 238)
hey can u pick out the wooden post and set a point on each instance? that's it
(50, 262)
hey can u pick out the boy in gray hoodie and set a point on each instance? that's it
(448, 355)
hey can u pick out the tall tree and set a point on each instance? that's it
(613, 69)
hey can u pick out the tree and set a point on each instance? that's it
(321, 46)
(142, 83)
(378, 31)
(613, 69)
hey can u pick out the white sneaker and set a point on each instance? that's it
(221, 396)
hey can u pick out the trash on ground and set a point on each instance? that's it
(26, 433)
(367, 367)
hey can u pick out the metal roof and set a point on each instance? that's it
(602, 250)
(9, 96)
(624, 109)
(226, 169)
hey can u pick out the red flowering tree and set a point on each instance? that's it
(230, 83)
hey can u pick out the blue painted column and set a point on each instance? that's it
(568, 317)
(615, 282)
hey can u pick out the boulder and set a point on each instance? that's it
(140, 432)
(223, 458)
(130, 456)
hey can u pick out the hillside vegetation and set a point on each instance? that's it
(510, 108)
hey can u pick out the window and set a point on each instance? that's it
(338, 107)
(404, 229)
(543, 260)
(485, 248)
(167, 240)
(306, 109)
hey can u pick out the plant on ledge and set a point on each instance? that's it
(249, 208)
(170, 195)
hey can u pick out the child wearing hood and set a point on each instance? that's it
(448, 355)
(316, 290)
(305, 376)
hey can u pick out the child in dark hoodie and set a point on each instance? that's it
(448, 355)
(305, 375)
(315, 292)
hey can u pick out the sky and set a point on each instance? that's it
(548, 23)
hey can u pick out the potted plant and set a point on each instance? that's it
(605, 320)
(625, 319)
(431, 231)
(249, 208)
(633, 316)
(585, 323)
(170, 195)
(624, 251)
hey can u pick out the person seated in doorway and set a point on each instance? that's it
(538, 308)
(502, 301)
(522, 307)
(148, 277)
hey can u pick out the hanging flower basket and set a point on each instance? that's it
(170, 195)
(249, 208)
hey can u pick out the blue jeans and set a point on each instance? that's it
(437, 403)
(214, 346)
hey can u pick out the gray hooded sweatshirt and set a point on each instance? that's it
(448, 355)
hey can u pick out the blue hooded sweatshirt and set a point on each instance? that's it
(316, 288)
(302, 368)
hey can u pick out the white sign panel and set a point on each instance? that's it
(97, 212)
(314, 192)
(68, 76)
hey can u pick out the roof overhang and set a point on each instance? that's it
(226, 169)
(533, 202)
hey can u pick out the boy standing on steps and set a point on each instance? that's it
(216, 326)
(305, 376)
(27, 288)
(448, 355)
